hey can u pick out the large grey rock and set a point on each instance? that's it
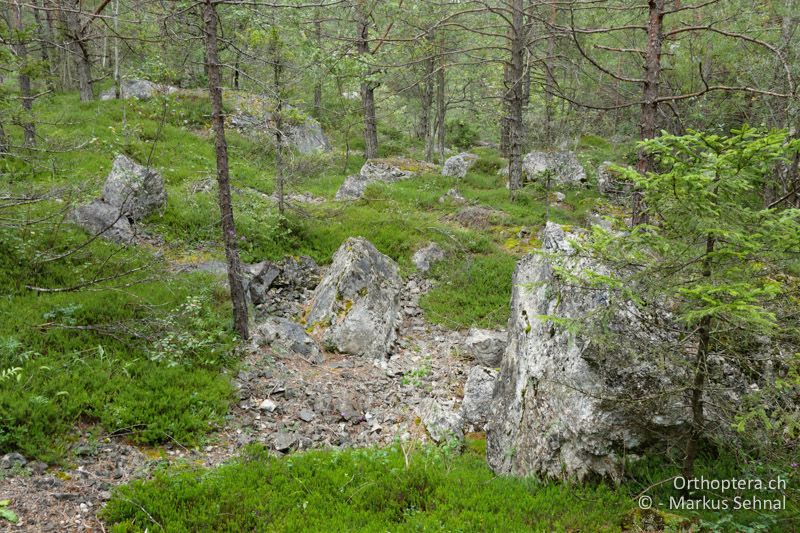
(301, 132)
(564, 167)
(611, 183)
(357, 302)
(441, 422)
(100, 218)
(287, 337)
(139, 89)
(554, 411)
(307, 137)
(486, 346)
(458, 165)
(137, 190)
(478, 390)
(374, 170)
(426, 257)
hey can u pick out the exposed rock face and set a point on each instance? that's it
(303, 134)
(477, 402)
(458, 165)
(564, 167)
(286, 337)
(357, 303)
(139, 89)
(441, 422)
(282, 288)
(486, 346)
(131, 192)
(374, 170)
(610, 182)
(426, 257)
(100, 218)
(553, 411)
(138, 191)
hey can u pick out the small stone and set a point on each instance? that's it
(283, 442)
(306, 415)
(11, 460)
(268, 405)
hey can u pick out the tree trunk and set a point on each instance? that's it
(700, 372)
(423, 130)
(79, 47)
(3, 141)
(648, 130)
(23, 77)
(550, 82)
(367, 87)
(45, 45)
(515, 96)
(318, 80)
(277, 70)
(441, 104)
(235, 277)
(117, 78)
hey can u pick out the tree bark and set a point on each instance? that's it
(45, 45)
(516, 95)
(318, 80)
(23, 77)
(235, 277)
(277, 71)
(441, 105)
(367, 87)
(79, 47)
(699, 382)
(648, 129)
(550, 82)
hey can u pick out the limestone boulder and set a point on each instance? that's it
(105, 220)
(458, 165)
(374, 170)
(138, 89)
(136, 190)
(287, 338)
(563, 167)
(357, 303)
(441, 422)
(478, 391)
(555, 411)
(426, 257)
(486, 346)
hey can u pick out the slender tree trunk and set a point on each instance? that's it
(79, 46)
(318, 80)
(3, 140)
(426, 103)
(117, 77)
(699, 382)
(550, 82)
(515, 96)
(23, 77)
(648, 128)
(441, 103)
(44, 46)
(235, 277)
(277, 71)
(367, 87)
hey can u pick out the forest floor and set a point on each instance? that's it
(140, 379)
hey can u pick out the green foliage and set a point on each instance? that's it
(143, 361)
(6, 513)
(461, 133)
(359, 490)
(473, 291)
